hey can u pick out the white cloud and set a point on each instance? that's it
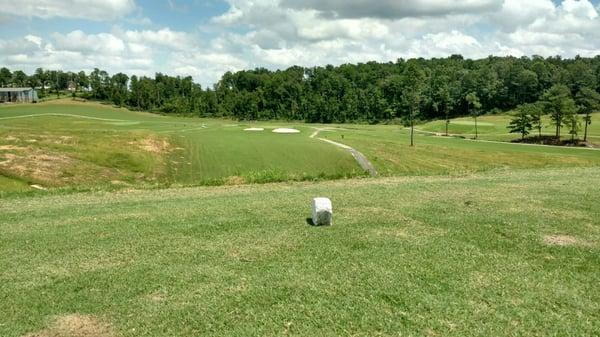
(443, 44)
(82, 9)
(79, 41)
(514, 14)
(164, 37)
(267, 33)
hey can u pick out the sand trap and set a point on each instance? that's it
(286, 130)
(254, 129)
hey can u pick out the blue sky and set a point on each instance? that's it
(205, 38)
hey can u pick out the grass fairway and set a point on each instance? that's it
(502, 253)
(72, 144)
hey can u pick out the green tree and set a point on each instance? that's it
(19, 78)
(572, 121)
(559, 105)
(520, 123)
(412, 84)
(82, 80)
(535, 112)
(588, 101)
(33, 81)
(42, 77)
(473, 107)
(5, 77)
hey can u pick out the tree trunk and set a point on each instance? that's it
(476, 127)
(557, 129)
(587, 121)
(447, 122)
(411, 129)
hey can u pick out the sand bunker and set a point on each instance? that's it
(286, 130)
(254, 129)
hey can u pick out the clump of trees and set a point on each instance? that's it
(562, 108)
(404, 91)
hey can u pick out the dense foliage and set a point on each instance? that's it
(367, 92)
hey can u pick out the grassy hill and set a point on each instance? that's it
(70, 144)
(506, 253)
(66, 143)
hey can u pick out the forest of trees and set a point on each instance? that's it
(406, 90)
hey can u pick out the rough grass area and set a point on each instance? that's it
(505, 253)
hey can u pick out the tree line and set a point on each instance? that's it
(406, 90)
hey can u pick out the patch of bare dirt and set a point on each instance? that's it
(564, 240)
(152, 144)
(76, 325)
(40, 166)
(45, 168)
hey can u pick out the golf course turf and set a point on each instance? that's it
(111, 226)
(502, 253)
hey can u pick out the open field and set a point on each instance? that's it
(64, 143)
(388, 149)
(503, 253)
(68, 144)
(493, 127)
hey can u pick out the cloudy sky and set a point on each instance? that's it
(205, 38)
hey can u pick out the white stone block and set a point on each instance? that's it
(322, 212)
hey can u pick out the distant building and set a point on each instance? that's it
(18, 95)
(71, 86)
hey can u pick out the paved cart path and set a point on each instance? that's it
(364, 163)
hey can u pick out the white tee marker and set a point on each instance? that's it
(322, 212)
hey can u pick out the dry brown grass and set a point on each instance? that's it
(11, 148)
(76, 325)
(46, 167)
(235, 180)
(40, 166)
(153, 145)
(564, 240)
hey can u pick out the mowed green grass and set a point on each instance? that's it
(494, 127)
(505, 253)
(388, 149)
(74, 145)
(64, 144)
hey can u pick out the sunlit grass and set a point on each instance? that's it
(509, 253)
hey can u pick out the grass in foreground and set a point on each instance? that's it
(505, 253)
